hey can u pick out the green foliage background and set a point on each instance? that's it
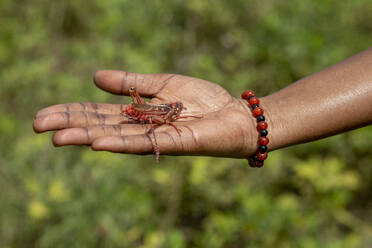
(312, 195)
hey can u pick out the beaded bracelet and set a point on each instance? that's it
(257, 160)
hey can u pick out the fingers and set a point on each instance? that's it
(139, 144)
(119, 82)
(60, 120)
(100, 108)
(86, 135)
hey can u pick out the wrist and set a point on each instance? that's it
(250, 134)
(276, 127)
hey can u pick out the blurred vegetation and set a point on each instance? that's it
(312, 195)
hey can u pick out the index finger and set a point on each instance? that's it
(119, 82)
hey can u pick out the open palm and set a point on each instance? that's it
(226, 128)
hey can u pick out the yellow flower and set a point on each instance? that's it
(161, 176)
(37, 209)
(58, 191)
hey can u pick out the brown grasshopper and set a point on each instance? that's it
(154, 114)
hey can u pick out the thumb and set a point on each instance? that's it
(119, 82)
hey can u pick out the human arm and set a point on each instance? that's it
(334, 100)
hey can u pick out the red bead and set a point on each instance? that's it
(253, 101)
(263, 141)
(259, 164)
(261, 125)
(247, 93)
(262, 156)
(257, 111)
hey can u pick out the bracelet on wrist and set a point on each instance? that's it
(257, 160)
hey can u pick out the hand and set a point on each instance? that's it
(226, 129)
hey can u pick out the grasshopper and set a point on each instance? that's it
(154, 114)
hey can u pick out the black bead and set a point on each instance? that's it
(255, 106)
(262, 149)
(260, 118)
(263, 132)
(250, 97)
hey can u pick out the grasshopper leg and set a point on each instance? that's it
(155, 144)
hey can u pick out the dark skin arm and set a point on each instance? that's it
(332, 101)
(329, 102)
